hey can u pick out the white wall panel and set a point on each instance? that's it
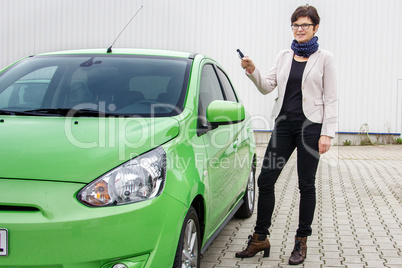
(364, 35)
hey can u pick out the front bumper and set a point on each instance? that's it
(50, 228)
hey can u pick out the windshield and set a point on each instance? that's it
(89, 85)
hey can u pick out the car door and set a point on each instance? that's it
(243, 129)
(221, 146)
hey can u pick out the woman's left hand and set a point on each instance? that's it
(324, 143)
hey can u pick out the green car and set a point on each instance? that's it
(132, 158)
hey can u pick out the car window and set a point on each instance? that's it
(227, 86)
(210, 89)
(150, 85)
(115, 84)
(29, 90)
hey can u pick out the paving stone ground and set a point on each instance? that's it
(358, 218)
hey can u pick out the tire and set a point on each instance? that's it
(188, 250)
(247, 208)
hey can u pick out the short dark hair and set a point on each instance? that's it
(306, 11)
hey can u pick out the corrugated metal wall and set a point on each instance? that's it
(364, 35)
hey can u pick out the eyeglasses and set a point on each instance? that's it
(295, 27)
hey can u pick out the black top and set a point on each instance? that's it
(292, 103)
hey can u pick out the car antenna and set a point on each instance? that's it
(109, 50)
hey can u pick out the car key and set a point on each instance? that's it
(241, 55)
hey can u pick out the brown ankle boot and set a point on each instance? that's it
(299, 252)
(256, 243)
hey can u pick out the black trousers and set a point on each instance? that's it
(287, 136)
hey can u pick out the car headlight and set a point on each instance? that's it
(137, 180)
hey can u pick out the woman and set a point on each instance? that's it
(305, 115)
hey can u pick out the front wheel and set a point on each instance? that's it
(188, 249)
(247, 208)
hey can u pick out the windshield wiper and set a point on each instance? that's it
(71, 112)
(8, 112)
(57, 111)
(90, 112)
(5, 112)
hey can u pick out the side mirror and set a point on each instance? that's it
(225, 112)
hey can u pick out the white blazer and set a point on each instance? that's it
(320, 102)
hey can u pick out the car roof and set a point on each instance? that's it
(124, 51)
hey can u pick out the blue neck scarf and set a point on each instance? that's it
(305, 49)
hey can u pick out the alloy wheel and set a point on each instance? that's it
(190, 246)
(251, 190)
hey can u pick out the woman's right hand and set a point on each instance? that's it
(248, 64)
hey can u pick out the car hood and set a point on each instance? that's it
(76, 149)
